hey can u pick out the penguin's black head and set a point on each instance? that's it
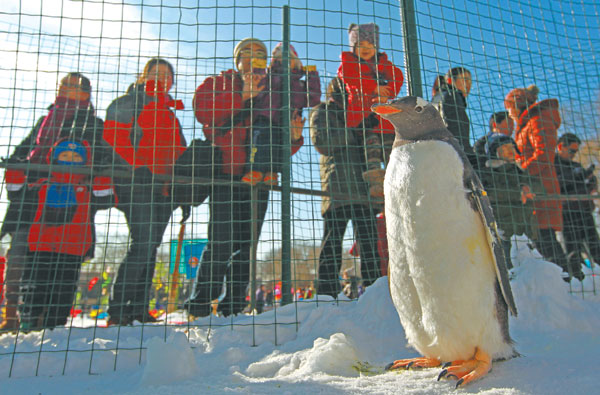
(413, 117)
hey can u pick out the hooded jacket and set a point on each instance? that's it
(305, 87)
(342, 160)
(503, 182)
(84, 126)
(143, 130)
(536, 137)
(65, 225)
(452, 105)
(226, 119)
(361, 79)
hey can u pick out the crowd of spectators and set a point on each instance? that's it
(130, 161)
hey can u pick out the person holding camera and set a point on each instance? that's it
(578, 223)
(229, 107)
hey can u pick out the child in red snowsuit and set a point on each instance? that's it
(60, 236)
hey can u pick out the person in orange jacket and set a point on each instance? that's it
(536, 136)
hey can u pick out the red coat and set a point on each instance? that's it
(148, 120)
(360, 79)
(217, 105)
(75, 236)
(536, 137)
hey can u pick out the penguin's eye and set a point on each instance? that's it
(418, 108)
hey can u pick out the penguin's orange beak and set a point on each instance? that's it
(385, 109)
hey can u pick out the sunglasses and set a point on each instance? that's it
(572, 151)
(254, 54)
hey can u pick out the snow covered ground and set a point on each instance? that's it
(334, 348)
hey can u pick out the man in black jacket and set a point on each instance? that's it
(574, 179)
(451, 101)
(342, 164)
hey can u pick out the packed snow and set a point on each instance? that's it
(324, 347)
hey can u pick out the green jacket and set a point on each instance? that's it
(342, 159)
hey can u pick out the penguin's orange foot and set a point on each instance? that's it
(467, 371)
(414, 363)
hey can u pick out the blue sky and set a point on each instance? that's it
(554, 44)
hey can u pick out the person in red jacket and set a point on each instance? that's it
(146, 136)
(536, 136)
(305, 91)
(60, 236)
(224, 105)
(369, 76)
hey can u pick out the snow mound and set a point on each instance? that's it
(543, 299)
(317, 346)
(169, 361)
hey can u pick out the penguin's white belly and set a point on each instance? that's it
(441, 270)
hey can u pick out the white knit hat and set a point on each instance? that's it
(244, 43)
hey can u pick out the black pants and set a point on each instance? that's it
(147, 212)
(48, 288)
(579, 228)
(330, 259)
(17, 221)
(265, 152)
(552, 251)
(228, 250)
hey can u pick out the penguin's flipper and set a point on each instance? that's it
(482, 202)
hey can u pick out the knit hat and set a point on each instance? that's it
(244, 43)
(521, 98)
(495, 141)
(65, 146)
(277, 51)
(368, 32)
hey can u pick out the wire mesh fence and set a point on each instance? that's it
(188, 174)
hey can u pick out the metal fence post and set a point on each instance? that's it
(286, 234)
(411, 48)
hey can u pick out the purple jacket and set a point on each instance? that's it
(303, 93)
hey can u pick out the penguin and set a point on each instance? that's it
(447, 271)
